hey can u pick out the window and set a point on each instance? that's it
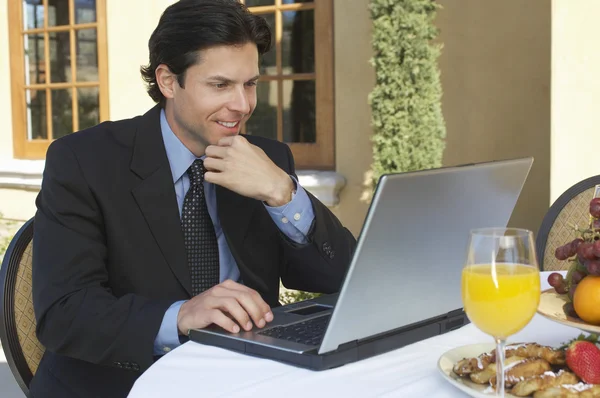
(295, 91)
(58, 70)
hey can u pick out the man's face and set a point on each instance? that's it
(219, 95)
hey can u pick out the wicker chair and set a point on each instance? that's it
(571, 208)
(17, 322)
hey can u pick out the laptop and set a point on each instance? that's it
(403, 282)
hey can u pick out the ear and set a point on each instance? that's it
(166, 80)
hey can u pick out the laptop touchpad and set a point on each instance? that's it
(309, 310)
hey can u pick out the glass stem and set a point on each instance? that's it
(500, 345)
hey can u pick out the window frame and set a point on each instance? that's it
(23, 148)
(319, 155)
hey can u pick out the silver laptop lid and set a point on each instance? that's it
(409, 257)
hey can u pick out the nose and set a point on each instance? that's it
(240, 101)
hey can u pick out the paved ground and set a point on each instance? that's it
(8, 385)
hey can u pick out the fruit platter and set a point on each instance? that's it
(574, 299)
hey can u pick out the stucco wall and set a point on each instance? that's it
(354, 80)
(6, 142)
(496, 81)
(575, 93)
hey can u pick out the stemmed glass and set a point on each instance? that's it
(500, 286)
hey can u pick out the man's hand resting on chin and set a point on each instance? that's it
(245, 169)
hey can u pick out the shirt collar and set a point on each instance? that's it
(180, 158)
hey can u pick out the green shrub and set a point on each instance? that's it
(4, 242)
(407, 119)
(4, 245)
(292, 296)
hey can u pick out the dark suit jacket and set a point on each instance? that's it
(109, 256)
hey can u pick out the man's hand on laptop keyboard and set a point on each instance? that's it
(224, 305)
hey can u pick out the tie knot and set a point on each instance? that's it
(196, 172)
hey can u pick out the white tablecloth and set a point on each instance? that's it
(194, 370)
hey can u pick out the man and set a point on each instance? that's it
(151, 226)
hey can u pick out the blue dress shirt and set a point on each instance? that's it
(293, 219)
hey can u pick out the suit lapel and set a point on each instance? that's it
(155, 195)
(235, 213)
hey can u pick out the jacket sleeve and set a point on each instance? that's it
(321, 264)
(77, 315)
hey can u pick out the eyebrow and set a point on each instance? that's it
(224, 79)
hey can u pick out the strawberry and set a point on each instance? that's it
(583, 358)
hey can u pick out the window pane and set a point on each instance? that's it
(268, 65)
(299, 120)
(255, 3)
(36, 114)
(62, 112)
(58, 12)
(263, 121)
(85, 11)
(298, 42)
(33, 14)
(87, 55)
(60, 57)
(89, 106)
(35, 67)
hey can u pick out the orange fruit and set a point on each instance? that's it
(586, 299)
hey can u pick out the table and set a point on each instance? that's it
(194, 370)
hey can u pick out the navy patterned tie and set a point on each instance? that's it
(199, 233)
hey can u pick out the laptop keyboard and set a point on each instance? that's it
(308, 332)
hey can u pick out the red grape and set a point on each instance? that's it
(596, 247)
(570, 310)
(577, 276)
(586, 251)
(593, 267)
(574, 245)
(596, 224)
(572, 291)
(595, 207)
(555, 279)
(561, 253)
(561, 289)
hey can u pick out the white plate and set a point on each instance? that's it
(450, 358)
(551, 306)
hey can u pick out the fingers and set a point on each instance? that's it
(249, 302)
(214, 151)
(214, 177)
(231, 306)
(214, 164)
(220, 319)
(263, 306)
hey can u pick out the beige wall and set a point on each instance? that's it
(129, 26)
(16, 204)
(496, 82)
(354, 80)
(575, 93)
(6, 142)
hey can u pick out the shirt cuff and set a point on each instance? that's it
(294, 218)
(168, 334)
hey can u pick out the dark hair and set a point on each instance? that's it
(189, 26)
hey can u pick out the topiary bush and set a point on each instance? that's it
(406, 108)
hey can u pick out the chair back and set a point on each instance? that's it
(17, 321)
(571, 208)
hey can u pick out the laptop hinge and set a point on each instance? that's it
(455, 319)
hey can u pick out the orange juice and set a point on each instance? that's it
(500, 303)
